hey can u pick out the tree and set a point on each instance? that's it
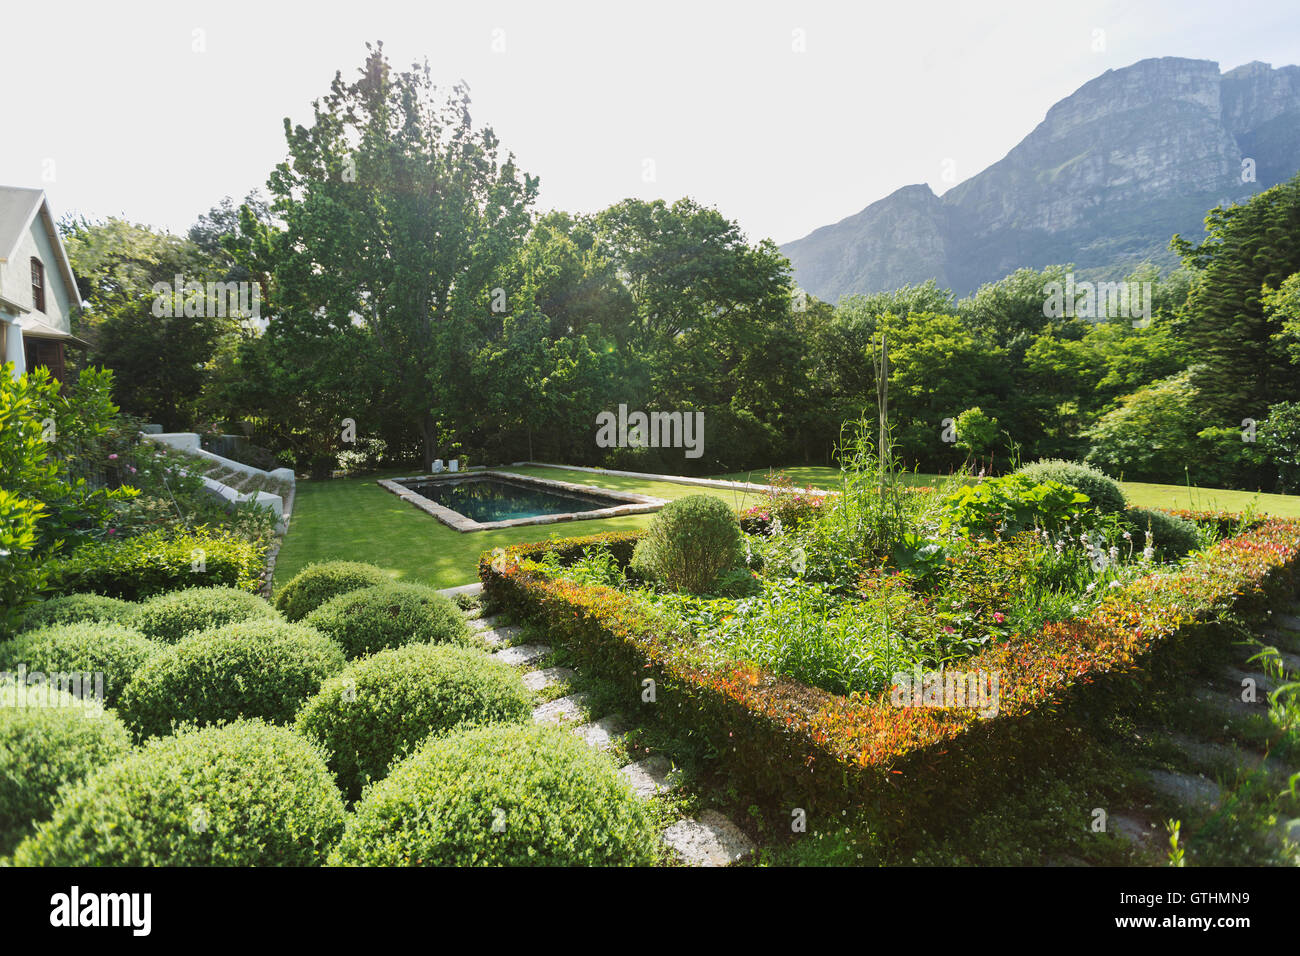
(398, 216)
(1150, 435)
(1243, 365)
(159, 356)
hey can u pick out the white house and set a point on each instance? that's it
(37, 288)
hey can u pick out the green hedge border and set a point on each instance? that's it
(789, 745)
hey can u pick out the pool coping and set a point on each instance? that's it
(634, 504)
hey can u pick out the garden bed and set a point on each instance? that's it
(787, 744)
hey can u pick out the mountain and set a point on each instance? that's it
(1104, 181)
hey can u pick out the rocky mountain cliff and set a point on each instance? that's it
(1112, 172)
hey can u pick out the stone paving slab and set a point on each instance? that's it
(522, 653)
(562, 710)
(602, 734)
(1132, 829)
(1185, 788)
(499, 636)
(483, 623)
(1290, 621)
(650, 776)
(548, 677)
(713, 840)
(1263, 683)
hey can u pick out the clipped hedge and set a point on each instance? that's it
(77, 608)
(148, 564)
(48, 738)
(689, 543)
(1172, 536)
(169, 617)
(113, 650)
(317, 583)
(389, 615)
(1104, 492)
(246, 794)
(781, 740)
(380, 708)
(259, 668)
(500, 796)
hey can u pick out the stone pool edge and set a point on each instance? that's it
(635, 504)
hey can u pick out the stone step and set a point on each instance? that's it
(548, 677)
(498, 636)
(1213, 756)
(1138, 832)
(1191, 791)
(484, 623)
(522, 654)
(1237, 677)
(470, 589)
(1229, 701)
(1289, 621)
(562, 710)
(712, 840)
(602, 734)
(650, 776)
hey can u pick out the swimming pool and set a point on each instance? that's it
(479, 501)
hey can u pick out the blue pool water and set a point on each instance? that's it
(498, 499)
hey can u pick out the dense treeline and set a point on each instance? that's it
(412, 289)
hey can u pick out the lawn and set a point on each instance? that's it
(356, 520)
(1137, 492)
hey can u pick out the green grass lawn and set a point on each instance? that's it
(354, 519)
(1137, 492)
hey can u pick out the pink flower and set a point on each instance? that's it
(948, 630)
(999, 616)
(113, 457)
(112, 531)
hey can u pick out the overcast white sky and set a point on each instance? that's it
(110, 109)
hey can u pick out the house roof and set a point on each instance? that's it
(19, 208)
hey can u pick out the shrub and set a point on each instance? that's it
(1103, 491)
(246, 794)
(317, 583)
(499, 796)
(47, 739)
(1171, 536)
(1011, 504)
(254, 669)
(689, 543)
(389, 615)
(113, 650)
(380, 708)
(76, 608)
(169, 617)
(163, 560)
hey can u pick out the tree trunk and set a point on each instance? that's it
(429, 432)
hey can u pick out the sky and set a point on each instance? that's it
(786, 116)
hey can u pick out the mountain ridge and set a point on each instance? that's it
(1103, 181)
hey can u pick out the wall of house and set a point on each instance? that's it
(16, 277)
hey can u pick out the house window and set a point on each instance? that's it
(38, 284)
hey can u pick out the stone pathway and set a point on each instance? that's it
(1228, 697)
(712, 840)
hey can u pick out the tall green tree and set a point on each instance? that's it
(1244, 367)
(397, 216)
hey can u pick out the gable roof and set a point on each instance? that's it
(19, 208)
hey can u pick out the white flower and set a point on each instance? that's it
(1128, 536)
(1114, 554)
(1148, 553)
(1090, 588)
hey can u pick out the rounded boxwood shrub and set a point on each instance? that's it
(317, 583)
(389, 615)
(48, 738)
(113, 650)
(1103, 492)
(169, 617)
(76, 608)
(500, 796)
(1171, 536)
(382, 707)
(244, 794)
(690, 542)
(253, 669)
